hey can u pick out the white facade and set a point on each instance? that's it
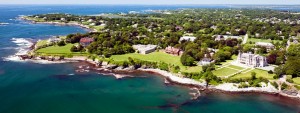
(145, 49)
(252, 60)
(188, 38)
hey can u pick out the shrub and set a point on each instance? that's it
(290, 80)
(275, 84)
(270, 72)
(243, 85)
(284, 86)
(276, 76)
(164, 66)
(253, 75)
(61, 43)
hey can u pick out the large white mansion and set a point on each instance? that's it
(252, 60)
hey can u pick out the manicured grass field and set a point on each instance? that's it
(296, 80)
(158, 57)
(64, 50)
(236, 67)
(259, 73)
(98, 28)
(261, 40)
(224, 72)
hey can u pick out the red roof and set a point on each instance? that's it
(86, 40)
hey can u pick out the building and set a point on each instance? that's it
(145, 49)
(187, 38)
(291, 41)
(173, 51)
(225, 37)
(178, 28)
(252, 60)
(219, 37)
(205, 61)
(86, 41)
(267, 45)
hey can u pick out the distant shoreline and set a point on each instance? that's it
(60, 23)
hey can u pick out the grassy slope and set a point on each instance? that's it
(158, 57)
(259, 73)
(297, 80)
(61, 50)
(224, 71)
(41, 43)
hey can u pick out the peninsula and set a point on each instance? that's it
(236, 50)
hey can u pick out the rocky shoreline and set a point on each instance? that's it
(121, 72)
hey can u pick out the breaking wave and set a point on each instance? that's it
(23, 47)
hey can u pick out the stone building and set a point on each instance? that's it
(145, 49)
(252, 60)
(173, 51)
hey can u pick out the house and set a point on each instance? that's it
(205, 61)
(214, 27)
(178, 28)
(173, 51)
(145, 49)
(86, 41)
(219, 38)
(187, 38)
(267, 45)
(252, 60)
(292, 41)
(62, 19)
(225, 37)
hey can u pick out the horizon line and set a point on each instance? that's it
(151, 4)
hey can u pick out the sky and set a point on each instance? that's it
(152, 2)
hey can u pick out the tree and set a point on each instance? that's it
(187, 60)
(74, 49)
(279, 71)
(271, 58)
(209, 76)
(164, 66)
(253, 75)
(61, 43)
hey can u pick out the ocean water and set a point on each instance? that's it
(57, 88)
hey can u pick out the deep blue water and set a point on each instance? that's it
(36, 88)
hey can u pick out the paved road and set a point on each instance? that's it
(245, 39)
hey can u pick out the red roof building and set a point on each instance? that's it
(86, 41)
(173, 51)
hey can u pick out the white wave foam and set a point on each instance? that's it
(8, 48)
(4, 23)
(22, 49)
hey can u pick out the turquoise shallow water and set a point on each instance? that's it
(57, 88)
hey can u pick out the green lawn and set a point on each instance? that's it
(224, 71)
(158, 57)
(259, 73)
(236, 67)
(296, 80)
(58, 50)
(98, 28)
(261, 40)
(41, 43)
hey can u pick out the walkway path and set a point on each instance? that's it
(245, 39)
(235, 73)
